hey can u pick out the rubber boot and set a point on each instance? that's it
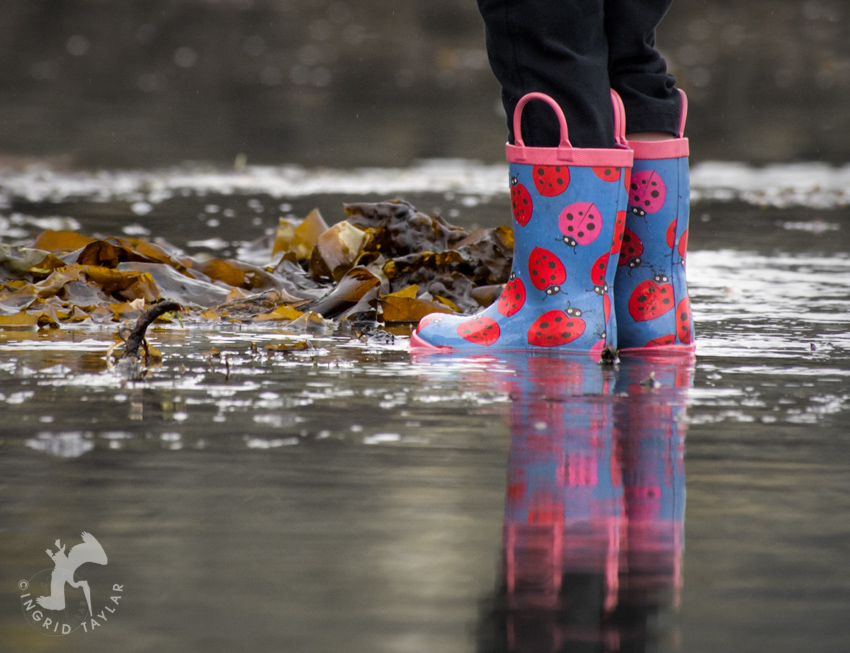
(651, 292)
(569, 208)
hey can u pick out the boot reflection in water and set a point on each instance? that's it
(594, 513)
(650, 418)
(600, 245)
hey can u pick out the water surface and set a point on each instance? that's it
(352, 497)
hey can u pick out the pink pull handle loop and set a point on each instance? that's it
(619, 118)
(565, 141)
(683, 116)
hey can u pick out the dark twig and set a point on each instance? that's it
(137, 335)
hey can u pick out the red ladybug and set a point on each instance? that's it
(551, 180)
(607, 174)
(521, 203)
(683, 245)
(546, 270)
(606, 307)
(597, 275)
(619, 226)
(683, 321)
(647, 193)
(555, 328)
(480, 330)
(512, 298)
(651, 299)
(671, 233)
(661, 341)
(631, 250)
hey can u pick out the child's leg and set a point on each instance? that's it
(636, 70)
(558, 48)
(651, 292)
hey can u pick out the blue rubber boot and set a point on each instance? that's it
(652, 304)
(569, 207)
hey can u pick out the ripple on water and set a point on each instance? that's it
(772, 349)
(777, 306)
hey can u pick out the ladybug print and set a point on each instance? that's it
(647, 192)
(521, 203)
(545, 508)
(580, 470)
(479, 330)
(607, 174)
(546, 270)
(651, 299)
(517, 486)
(512, 298)
(662, 341)
(683, 378)
(683, 245)
(581, 221)
(551, 180)
(683, 321)
(671, 233)
(516, 491)
(619, 227)
(606, 307)
(598, 347)
(631, 250)
(645, 501)
(555, 328)
(597, 275)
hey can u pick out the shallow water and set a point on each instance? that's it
(352, 497)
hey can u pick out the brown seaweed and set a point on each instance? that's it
(385, 263)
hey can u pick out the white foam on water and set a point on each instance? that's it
(88, 344)
(63, 445)
(811, 184)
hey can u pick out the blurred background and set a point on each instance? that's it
(339, 83)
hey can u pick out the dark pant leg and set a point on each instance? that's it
(636, 70)
(557, 47)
